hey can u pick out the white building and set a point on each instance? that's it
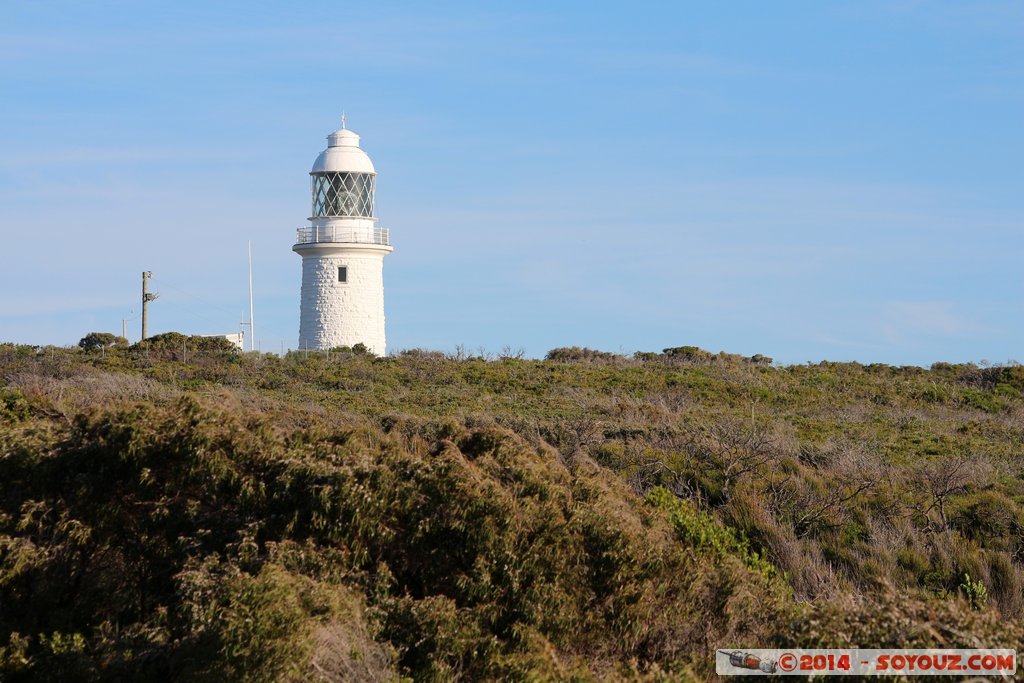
(342, 252)
(236, 338)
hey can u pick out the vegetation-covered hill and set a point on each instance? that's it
(180, 512)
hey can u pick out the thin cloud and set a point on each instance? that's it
(66, 156)
(40, 305)
(687, 62)
(904, 321)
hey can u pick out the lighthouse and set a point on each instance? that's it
(342, 251)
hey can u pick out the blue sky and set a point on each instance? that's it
(807, 180)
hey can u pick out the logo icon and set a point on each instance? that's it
(745, 660)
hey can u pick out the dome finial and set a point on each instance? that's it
(343, 119)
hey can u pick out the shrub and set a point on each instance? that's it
(177, 346)
(1011, 375)
(101, 340)
(688, 354)
(703, 531)
(982, 400)
(576, 354)
(974, 591)
(885, 619)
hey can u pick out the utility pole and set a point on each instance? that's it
(146, 298)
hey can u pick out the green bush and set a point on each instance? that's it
(176, 346)
(101, 340)
(974, 591)
(702, 531)
(575, 354)
(688, 354)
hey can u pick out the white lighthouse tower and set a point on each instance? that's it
(342, 251)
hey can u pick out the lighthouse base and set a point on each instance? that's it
(342, 296)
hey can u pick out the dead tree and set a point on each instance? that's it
(937, 481)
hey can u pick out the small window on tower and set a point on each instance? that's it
(342, 273)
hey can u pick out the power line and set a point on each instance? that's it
(187, 293)
(163, 283)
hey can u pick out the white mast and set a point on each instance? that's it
(252, 328)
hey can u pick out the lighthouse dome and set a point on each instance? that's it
(343, 155)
